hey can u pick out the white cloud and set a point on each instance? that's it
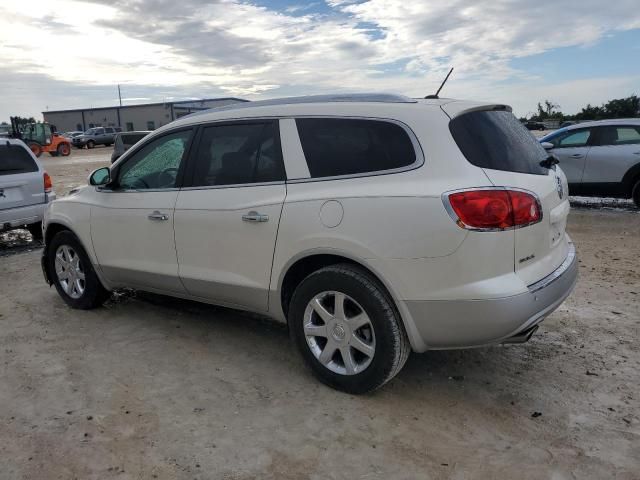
(238, 48)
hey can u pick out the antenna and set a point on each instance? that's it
(441, 85)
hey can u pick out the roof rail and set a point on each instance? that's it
(335, 98)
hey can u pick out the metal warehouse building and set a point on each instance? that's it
(147, 116)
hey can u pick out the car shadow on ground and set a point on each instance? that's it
(487, 370)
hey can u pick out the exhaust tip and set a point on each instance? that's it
(521, 337)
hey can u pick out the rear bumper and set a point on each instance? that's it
(444, 324)
(19, 216)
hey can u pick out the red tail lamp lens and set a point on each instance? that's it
(494, 209)
(48, 185)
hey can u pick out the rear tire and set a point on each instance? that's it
(72, 273)
(357, 347)
(635, 194)
(91, 144)
(64, 150)
(35, 229)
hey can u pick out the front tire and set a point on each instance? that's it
(72, 273)
(635, 194)
(348, 329)
(91, 144)
(36, 148)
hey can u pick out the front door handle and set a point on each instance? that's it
(577, 155)
(158, 217)
(636, 153)
(254, 216)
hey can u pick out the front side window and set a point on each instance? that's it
(156, 165)
(619, 135)
(344, 146)
(239, 154)
(572, 139)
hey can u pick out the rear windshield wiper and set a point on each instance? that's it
(550, 161)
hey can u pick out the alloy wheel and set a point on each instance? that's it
(69, 271)
(339, 333)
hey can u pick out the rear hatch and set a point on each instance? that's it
(21, 184)
(491, 138)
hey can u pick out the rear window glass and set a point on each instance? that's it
(15, 159)
(497, 140)
(132, 138)
(336, 146)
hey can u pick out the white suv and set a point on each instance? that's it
(373, 224)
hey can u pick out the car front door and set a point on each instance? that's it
(108, 135)
(132, 220)
(99, 136)
(572, 148)
(226, 219)
(617, 150)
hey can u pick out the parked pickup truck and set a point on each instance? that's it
(96, 136)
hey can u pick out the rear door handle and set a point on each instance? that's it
(254, 216)
(158, 216)
(577, 155)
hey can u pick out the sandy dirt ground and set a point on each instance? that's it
(153, 388)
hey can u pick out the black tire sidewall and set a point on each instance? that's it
(90, 144)
(94, 293)
(35, 229)
(635, 193)
(378, 307)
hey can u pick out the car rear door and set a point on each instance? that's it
(21, 183)
(226, 219)
(617, 150)
(510, 157)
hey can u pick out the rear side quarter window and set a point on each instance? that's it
(343, 146)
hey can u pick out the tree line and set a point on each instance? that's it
(628, 107)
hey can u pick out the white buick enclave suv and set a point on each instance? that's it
(373, 225)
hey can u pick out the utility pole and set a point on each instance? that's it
(119, 96)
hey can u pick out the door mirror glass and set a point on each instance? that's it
(547, 145)
(101, 176)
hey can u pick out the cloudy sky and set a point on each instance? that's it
(59, 54)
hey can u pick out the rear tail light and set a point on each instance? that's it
(493, 209)
(48, 185)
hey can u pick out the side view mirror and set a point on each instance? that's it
(101, 176)
(547, 145)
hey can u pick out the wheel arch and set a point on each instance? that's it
(52, 229)
(58, 225)
(630, 179)
(298, 268)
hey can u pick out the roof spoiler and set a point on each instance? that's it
(457, 108)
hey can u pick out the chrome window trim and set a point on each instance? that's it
(458, 221)
(234, 185)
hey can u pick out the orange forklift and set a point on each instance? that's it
(41, 137)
